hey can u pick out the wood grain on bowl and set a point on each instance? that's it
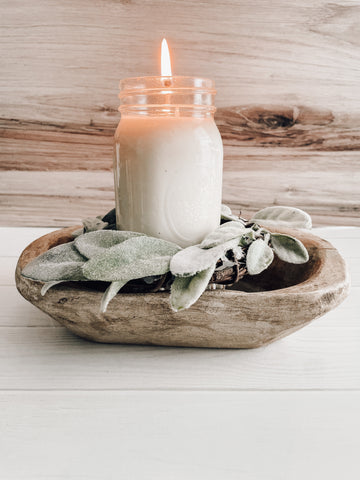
(284, 300)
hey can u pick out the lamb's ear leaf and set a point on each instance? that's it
(289, 249)
(136, 257)
(247, 238)
(225, 232)
(62, 262)
(283, 216)
(109, 294)
(225, 210)
(238, 252)
(194, 259)
(185, 291)
(49, 285)
(93, 243)
(227, 215)
(93, 224)
(259, 257)
(77, 232)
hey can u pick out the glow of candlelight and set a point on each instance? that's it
(165, 60)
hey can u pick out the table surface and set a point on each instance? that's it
(72, 409)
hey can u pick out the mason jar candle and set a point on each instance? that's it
(168, 159)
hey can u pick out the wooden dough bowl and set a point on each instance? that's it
(252, 313)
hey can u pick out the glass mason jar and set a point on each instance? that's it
(168, 159)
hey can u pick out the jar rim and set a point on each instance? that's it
(178, 83)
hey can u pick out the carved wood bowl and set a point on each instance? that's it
(253, 312)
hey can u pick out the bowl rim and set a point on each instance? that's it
(325, 254)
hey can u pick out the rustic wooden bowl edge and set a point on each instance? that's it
(320, 299)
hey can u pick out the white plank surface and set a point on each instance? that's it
(14, 240)
(72, 409)
(324, 355)
(48, 358)
(179, 435)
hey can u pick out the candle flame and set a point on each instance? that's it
(165, 60)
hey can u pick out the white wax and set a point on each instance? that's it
(168, 177)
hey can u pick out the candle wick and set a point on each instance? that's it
(167, 82)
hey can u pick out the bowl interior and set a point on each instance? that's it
(279, 275)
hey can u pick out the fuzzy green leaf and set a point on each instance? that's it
(225, 210)
(109, 294)
(185, 291)
(247, 238)
(225, 232)
(93, 224)
(259, 257)
(62, 262)
(194, 259)
(77, 232)
(136, 257)
(238, 253)
(286, 216)
(289, 249)
(226, 214)
(49, 285)
(94, 243)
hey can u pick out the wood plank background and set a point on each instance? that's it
(287, 75)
